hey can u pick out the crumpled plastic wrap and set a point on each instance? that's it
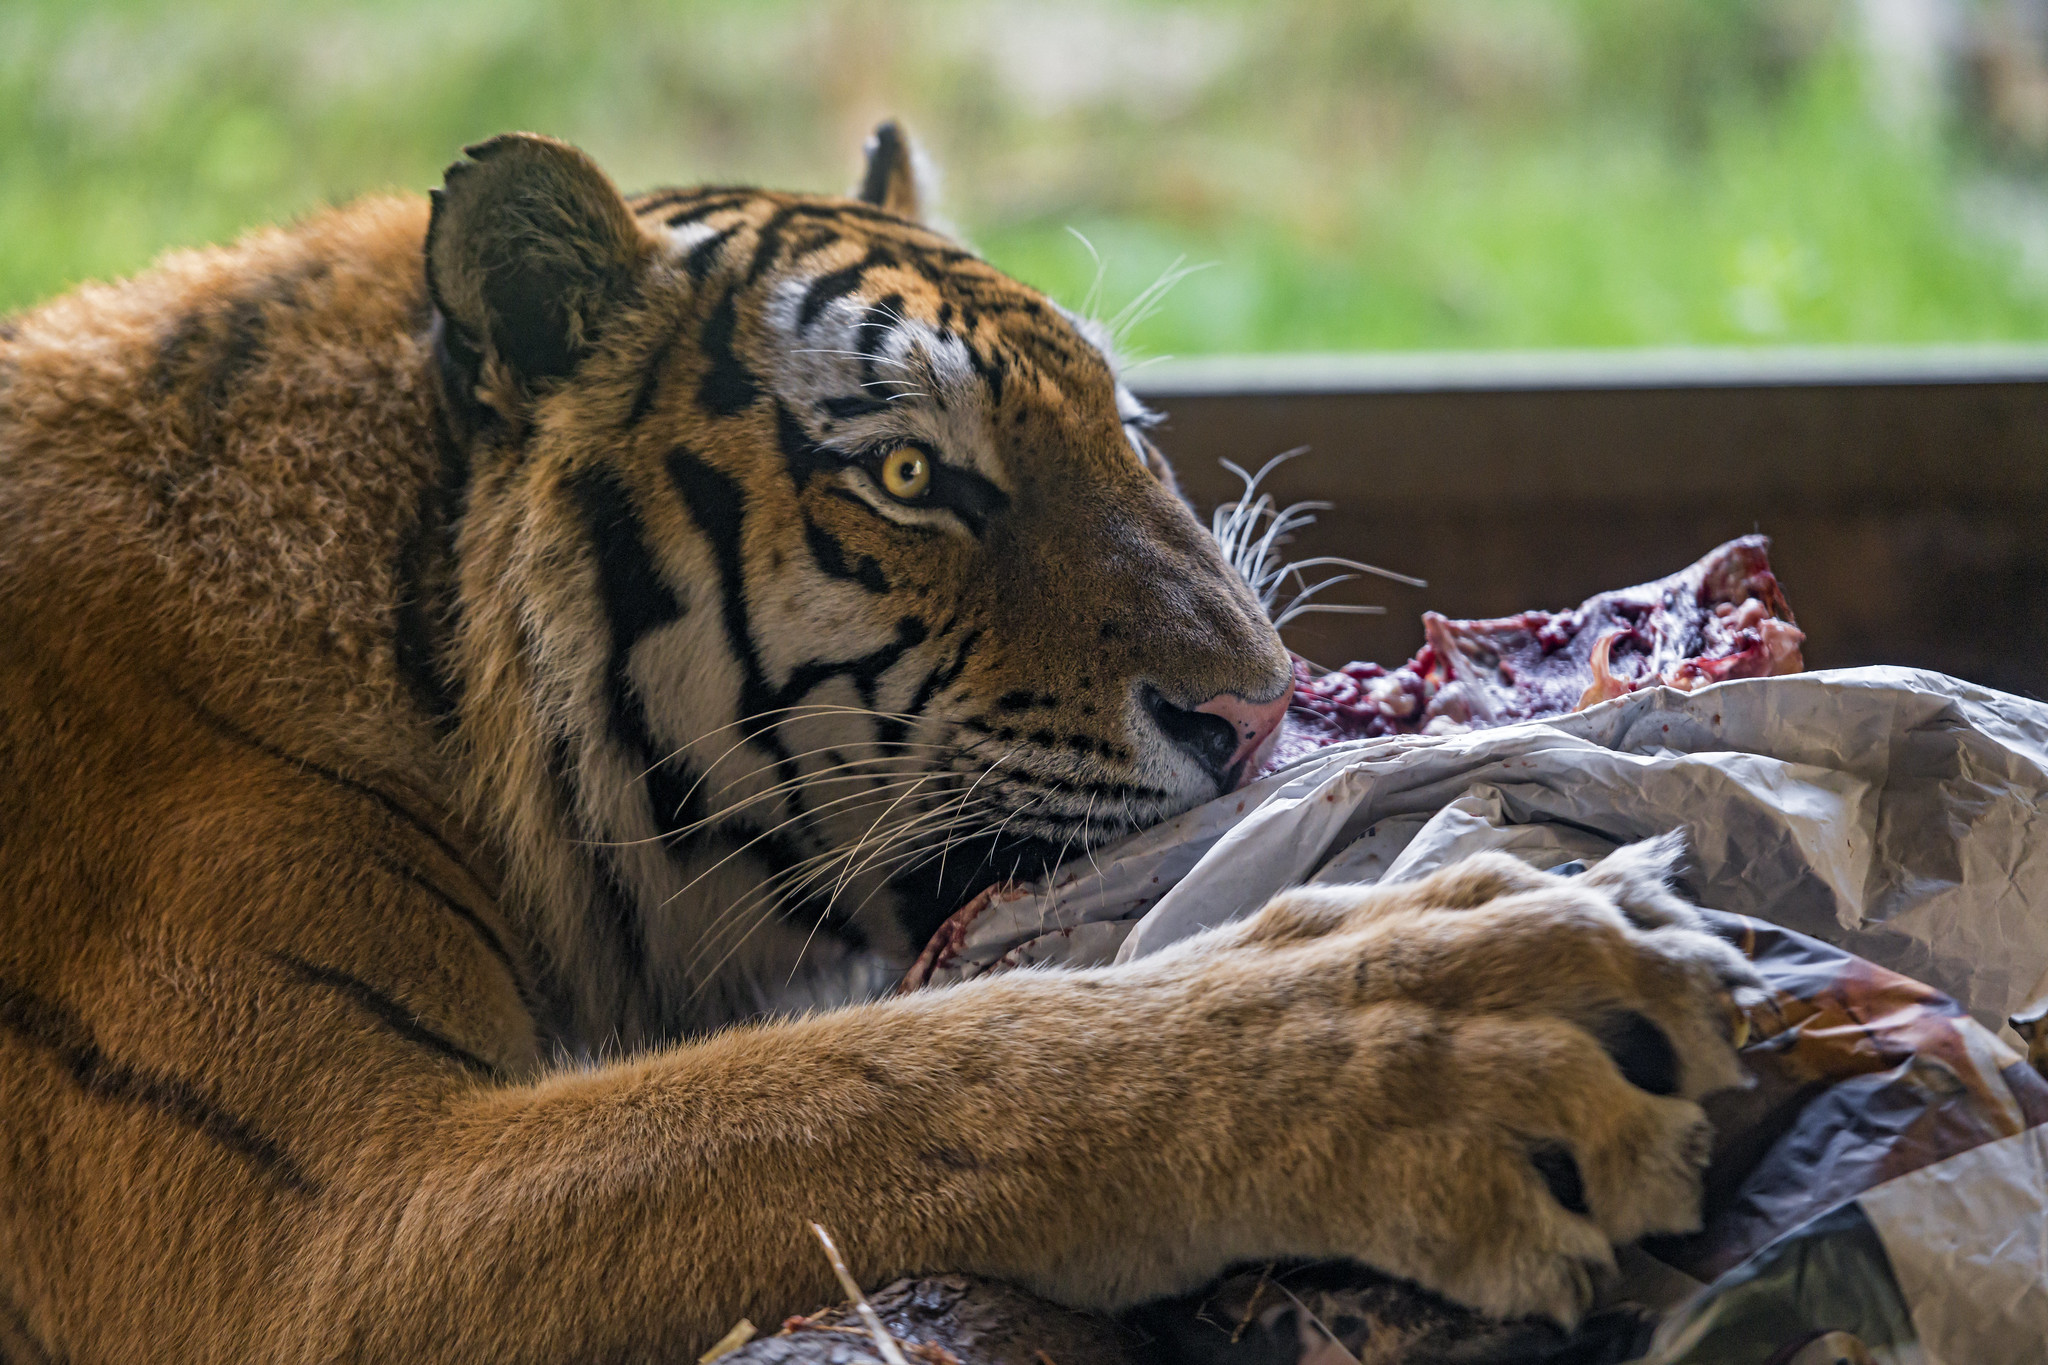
(1882, 1193)
(1895, 813)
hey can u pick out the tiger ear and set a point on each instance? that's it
(529, 249)
(891, 178)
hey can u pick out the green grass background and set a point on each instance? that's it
(1347, 173)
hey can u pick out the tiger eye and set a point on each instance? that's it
(906, 473)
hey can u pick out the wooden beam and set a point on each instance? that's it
(1906, 491)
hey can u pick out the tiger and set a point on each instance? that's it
(498, 683)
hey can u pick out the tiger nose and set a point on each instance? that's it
(1229, 736)
(1255, 723)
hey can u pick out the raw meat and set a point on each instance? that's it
(1724, 617)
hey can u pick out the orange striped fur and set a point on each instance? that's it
(456, 659)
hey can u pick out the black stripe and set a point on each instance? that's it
(679, 801)
(427, 601)
(70, 1040)
(636, 599)
(386, 1010)
(698, 262)
(228, 342)
(836, 285)
(635, 596)
(937, 275)
(16, 1328)
(893, 731)
(864, 672)
(821, 910)
(719, 507)
(804, 457)
(485, 934)
(852, 405)
(943, 678)
(717, 504)
(831, 557)
(991, 368)
(650, 378)
(222, 727)
(814, 241)
(768, 241)
(969, 496)
(647, 201)
(874, 327)
(728, 386)
(709, 203)
(917, 234)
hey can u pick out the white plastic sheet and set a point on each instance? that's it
(1896, 813)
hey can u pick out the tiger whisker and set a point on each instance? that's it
(801, 708)
(877, 357)
(1296, 566)
(957, 814)
(985, 775)
(871, 828)
(842, 851)
(1251, 532)
(811, 811)
(912, 861)
(1334, 608)
(1148, 299)
(802, 778)
(1087, 846)
(856, 799)
(809, 709)
(895, 840)
(787, 711)
(803, 781)
(675, 835)
(766, 896)
(1094, 294)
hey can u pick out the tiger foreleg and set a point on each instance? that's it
(1463, 1097)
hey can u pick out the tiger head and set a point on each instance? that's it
(814, 573)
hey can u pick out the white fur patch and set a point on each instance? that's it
(686, 238)
(921, 381)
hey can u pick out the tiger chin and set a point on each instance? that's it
(481, 675)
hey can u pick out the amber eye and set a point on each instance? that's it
(906, 473)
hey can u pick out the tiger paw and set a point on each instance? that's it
(1482, 1081)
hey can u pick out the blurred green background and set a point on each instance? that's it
(1346, 173)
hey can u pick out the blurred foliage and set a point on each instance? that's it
(1348, 173)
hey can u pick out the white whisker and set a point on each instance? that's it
(1253, 530)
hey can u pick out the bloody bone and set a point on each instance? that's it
(1724, 617)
